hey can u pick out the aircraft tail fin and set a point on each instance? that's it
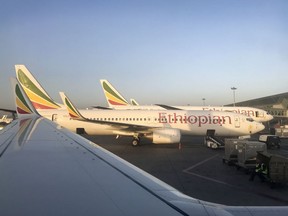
(134, 102)
(72, 110)
(35, 92)
(24, 107)
(113, 97)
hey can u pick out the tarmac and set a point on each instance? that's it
(198, 171)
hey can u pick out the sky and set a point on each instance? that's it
(171, 52)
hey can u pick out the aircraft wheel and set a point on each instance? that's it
(135, 142)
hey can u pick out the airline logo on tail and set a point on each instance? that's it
(73, 112)
(113, 97)
(37, 95)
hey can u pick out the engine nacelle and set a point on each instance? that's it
(166, 136)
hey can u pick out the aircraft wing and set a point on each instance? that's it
(102, 108)
(47, 170)
(167, 107)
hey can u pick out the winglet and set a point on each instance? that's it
(134, 102)
(35, 92)
(72, 110)
(113, 97)
(24, 107)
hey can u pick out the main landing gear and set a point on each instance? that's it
(136, 141)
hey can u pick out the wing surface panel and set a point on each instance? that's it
(47, 170)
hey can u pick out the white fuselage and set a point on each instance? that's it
(256, 114)
(188, 122)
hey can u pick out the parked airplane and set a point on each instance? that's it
(116, 101)
(165, 126)
(47, 170)
(161, 126)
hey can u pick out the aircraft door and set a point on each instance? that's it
(237, 121)
(54, 117)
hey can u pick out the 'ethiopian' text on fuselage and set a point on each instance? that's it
(194, 119)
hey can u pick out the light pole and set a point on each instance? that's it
(233, 89)
(203, 101)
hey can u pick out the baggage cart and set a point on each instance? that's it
(230, 151)
(247, 153)
(242, 153)
(277, 167)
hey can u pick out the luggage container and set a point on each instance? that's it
(277, 167)
(231, 151)
(242, 153)
(247, 153)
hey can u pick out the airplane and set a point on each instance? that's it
(116, 101)
(162, 127)
(48, 170)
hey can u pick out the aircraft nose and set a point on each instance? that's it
(256, 127)
(260, 127)
(269, 117)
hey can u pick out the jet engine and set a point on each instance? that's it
(166, 136)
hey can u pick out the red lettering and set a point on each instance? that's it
(192, 119)
(202, 120)
(162, 118)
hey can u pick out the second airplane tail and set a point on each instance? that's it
(113, 97)
(72, 110)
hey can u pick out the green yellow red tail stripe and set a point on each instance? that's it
(37, 95)
(73, 112)
(113, 97)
